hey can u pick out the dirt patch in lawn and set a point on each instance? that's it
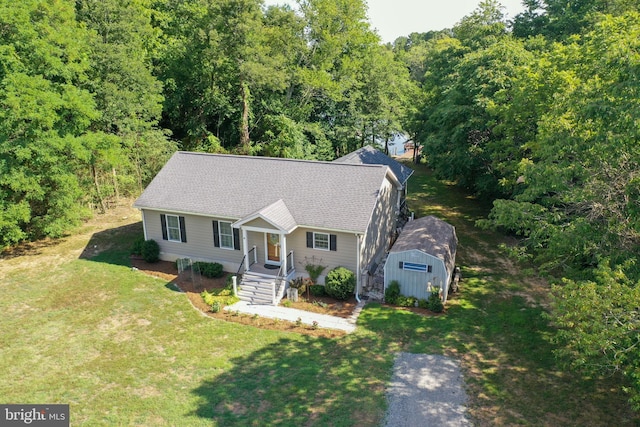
(194, 287)
(323, 305)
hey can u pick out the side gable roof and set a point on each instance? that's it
(430, 235)
(326, 195)
(368, 155)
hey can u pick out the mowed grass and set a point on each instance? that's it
(123, 348)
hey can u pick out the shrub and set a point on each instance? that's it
(435, 303)
(403, 301)
(299, 284)
(423, 303)
(392, 292)
(136, 248)
(209, 269)
(317, 290)
(340, 283)
(228, 284)
(216, 307)
(150, 251)
(218, 298)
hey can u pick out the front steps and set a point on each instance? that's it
(257, 288)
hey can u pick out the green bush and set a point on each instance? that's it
(392, 292)
(340, 283)
(435, 303)
(403, 301)
(317, 290)
(423, 303)
(300, 284)
(218, 298)
(209, 269)
(229, 283)
(150, 251)
(136, 248)
(216, 307)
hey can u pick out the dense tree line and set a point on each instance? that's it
(541, 115)
(96, 94)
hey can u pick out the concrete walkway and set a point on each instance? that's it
(292, 315)
(426, 390)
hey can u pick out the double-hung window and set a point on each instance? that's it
(173, 228)
(226, 235)
(321, 241)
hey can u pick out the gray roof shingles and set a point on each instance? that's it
(430, 235)
(368, 155)
(328, 195)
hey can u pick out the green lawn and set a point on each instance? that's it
(126, 349)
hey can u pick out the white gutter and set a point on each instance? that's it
(358, 273)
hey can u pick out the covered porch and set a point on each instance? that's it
(268, 264)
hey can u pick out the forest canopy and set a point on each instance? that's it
(541, 115)
(96, 94)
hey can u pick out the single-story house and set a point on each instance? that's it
(267, 217)
(423, 258)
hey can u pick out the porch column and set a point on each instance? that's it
(283, 252)
(245, 249)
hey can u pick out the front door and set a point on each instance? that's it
(273, 248)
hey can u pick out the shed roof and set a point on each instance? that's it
(430, 235)
(288, 192)
(368, 155)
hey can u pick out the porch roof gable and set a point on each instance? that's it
(276, 214)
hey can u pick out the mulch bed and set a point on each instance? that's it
(167, 271)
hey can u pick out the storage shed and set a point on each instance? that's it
(423, 256)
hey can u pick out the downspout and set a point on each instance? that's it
(144, 225)
(358, 269)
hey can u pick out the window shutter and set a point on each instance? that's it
(236, 239)
(332, 242)
(309, 239)
(216, 234)
(183, 230)
(163, 224)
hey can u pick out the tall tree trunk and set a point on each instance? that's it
(115, 183)
(244, 123)
(96, 183)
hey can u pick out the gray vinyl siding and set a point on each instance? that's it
(199, 245)
(414, 283)
(344, 256)
(382, 225)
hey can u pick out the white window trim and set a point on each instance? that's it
(414, 266)
(179, 240)
(220, 235)
(328, 248)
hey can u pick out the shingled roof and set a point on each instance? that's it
(327, 195)
(368, 155)
(430, 235)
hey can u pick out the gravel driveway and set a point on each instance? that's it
(426, 390)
